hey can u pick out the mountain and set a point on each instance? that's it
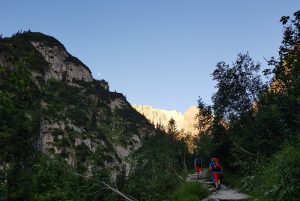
(76, 109)
(185, 122)
(64, 133)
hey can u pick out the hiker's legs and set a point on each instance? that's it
(198, 172)
(216, 184)
(217, 179)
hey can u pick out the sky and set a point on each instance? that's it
(156, 52)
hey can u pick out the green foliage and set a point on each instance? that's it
(130, 115)
(155, 168)
(204, 117)
(20, 52)
(50, 196)
(191, 191)
(258, 142)
(76, 62)
(238, 87)
(291, 37)
(205, 147)
(36, 36)
(53, 179)
(68, 102)
(280, 177)
(3, 188)
(172, 128)
(19, 127)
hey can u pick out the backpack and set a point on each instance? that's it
(198, 162)
(217, 165)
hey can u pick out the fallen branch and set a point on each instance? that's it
(177, 174)
(153, 168)
(244, 150)
(109, 187)
(118, 192)
(183, 162)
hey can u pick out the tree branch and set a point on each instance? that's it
(177, 174)
(118, 192)
(109, 187)
(244, 150)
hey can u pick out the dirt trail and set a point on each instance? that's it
(224, 193)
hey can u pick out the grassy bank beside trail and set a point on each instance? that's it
(190, 191)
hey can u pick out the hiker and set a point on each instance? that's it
(198, 166)
(216, 171)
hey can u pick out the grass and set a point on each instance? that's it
(191, 191)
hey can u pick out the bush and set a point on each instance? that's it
(280, 180)
(155, 166)
(192, 191)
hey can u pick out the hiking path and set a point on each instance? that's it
(224, 193)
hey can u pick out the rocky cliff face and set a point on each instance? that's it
(62, 67)
(190, 120)
(79, 119)
(185, 122)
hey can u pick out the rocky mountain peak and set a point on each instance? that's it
(185, 122)
(63, 66)
(51, 59)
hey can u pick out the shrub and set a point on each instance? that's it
(192, 191)
(280, 179)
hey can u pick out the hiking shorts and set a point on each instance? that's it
(216, 176)
(198, 169)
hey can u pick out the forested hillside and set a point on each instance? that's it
(65, 136)
(254, 128)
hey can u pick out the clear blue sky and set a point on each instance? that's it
(156, 52)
